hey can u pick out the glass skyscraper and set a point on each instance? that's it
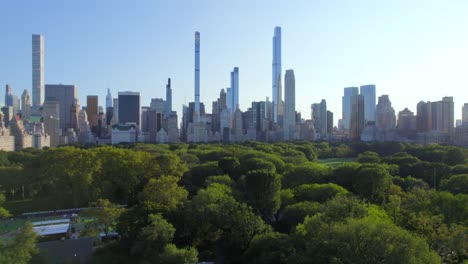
(276, 73)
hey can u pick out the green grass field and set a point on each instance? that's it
(335, 162)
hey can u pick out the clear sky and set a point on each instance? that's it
(412, 50)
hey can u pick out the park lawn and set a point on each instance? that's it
(335, 162)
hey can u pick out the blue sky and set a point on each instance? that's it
(412, 50)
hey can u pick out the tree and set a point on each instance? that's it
(295, 213)
(344, 174)
(306, 173)
(455, 184)
(455, 156)
(3, 212)
(216, 222)
(372, 182)
(21, 249)
(263, 191)
(174, 255)
(368, 157)
(270, 248)
(229, 165)
(154, 236)
(4, 159)
(318, 192)
(361, 240)
(163, 194)
(104, 216)
(65, 173)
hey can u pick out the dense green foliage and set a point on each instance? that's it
(252, 202)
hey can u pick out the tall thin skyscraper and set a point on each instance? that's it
(235, 88)
(37, 71)
(346, 104)
(197, 77)
(369, 102)
(108, 99)
(276, 73)
(168, 98)
(289, 119)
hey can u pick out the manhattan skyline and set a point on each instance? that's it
(410, 51)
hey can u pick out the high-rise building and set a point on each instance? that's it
(368, 91)
(92, 111)
(37, 71)
(8, 95)
(258, 116)
(65, 95)
(465, 115)
(115, 111)
(357, 122)
(51, 117)
(346, 105)
(74, 115)
(385, 114)
(168, 98)
(276, 72)
(289, 118)
(319, 117)
(443, 115)
(424, 117)
(235, 88)
(229, 100)
(108, 99)
(26, 105)
(158, 104)
(222, 100)
(329, 122)
(406, 121)
(129, 108)
(197, 77)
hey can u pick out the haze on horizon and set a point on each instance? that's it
(411, 50)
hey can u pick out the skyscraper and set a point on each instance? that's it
(235, 88)
(168, 98)
(423, 117)
(26, 105)
(8, 95)
(276, 72)
(465, 115)
(129, 108)
(289, 119)
(197, 77)
(385, 114)
(369, 102)
(443, 115)
(92, 111)
(357, 123)
(37, 71)
(108, 99)
(329, 122)
(65, 95)
(319, 117)
(346, 104)
(229, 99)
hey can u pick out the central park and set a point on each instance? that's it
(291, 202)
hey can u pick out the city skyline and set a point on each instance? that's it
(150, 81)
